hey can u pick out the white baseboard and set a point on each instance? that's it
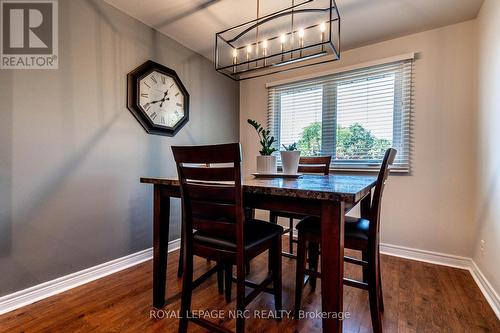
(425, 256)
(486, 288)
(59, 285)
(30, 295)
(448, 260)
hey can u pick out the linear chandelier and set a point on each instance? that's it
(281, 41)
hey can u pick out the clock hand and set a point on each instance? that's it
(165, 98)
(160, 100)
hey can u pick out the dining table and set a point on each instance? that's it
(327, 197)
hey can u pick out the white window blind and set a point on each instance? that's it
(353, 116)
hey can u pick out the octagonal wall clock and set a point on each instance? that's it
(157, 98)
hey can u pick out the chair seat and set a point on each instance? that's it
(355, 228)
(257, 232)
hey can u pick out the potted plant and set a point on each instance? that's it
(290, 159)
(266, 162)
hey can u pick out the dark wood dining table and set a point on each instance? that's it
(324, 196)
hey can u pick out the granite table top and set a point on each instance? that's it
(348, 188)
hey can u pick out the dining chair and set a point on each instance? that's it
(361, 234)
(215, 227)
(314, 165)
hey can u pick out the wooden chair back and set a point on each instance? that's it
(211, 190)
(374, 217)
(315, 164)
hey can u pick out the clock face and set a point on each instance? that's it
(161, 99)
(157, 98)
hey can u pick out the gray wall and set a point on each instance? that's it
(71, 154)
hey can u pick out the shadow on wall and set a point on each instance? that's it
(488, 200)
(139, 231)
(76, 156)
(205, 4)
(6, 163)
(61, 175)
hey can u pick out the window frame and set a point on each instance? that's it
(402, 111)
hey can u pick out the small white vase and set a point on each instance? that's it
(290, 161)
(267, 164)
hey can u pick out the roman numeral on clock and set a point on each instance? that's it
(153, 115)
(178, 104)
(153, 78)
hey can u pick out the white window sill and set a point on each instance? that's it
(367, 170)
(373, 170)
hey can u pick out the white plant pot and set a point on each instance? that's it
(290, 161)
(267, 164)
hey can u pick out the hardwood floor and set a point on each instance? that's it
(419, 297)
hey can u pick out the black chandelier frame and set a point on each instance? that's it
(242, 71)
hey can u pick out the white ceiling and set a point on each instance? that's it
(194, 23)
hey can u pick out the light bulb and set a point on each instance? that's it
(322, 27)
(264, 44)
(249, 48)
(235, 53)
(301, 33)
(283, 39)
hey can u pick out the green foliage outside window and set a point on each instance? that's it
(353, 142)
(310, 141)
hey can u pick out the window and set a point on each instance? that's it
(353, 116)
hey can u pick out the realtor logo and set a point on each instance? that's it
(29, 34)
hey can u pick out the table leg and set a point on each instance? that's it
(332, 263)
(161, 221)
